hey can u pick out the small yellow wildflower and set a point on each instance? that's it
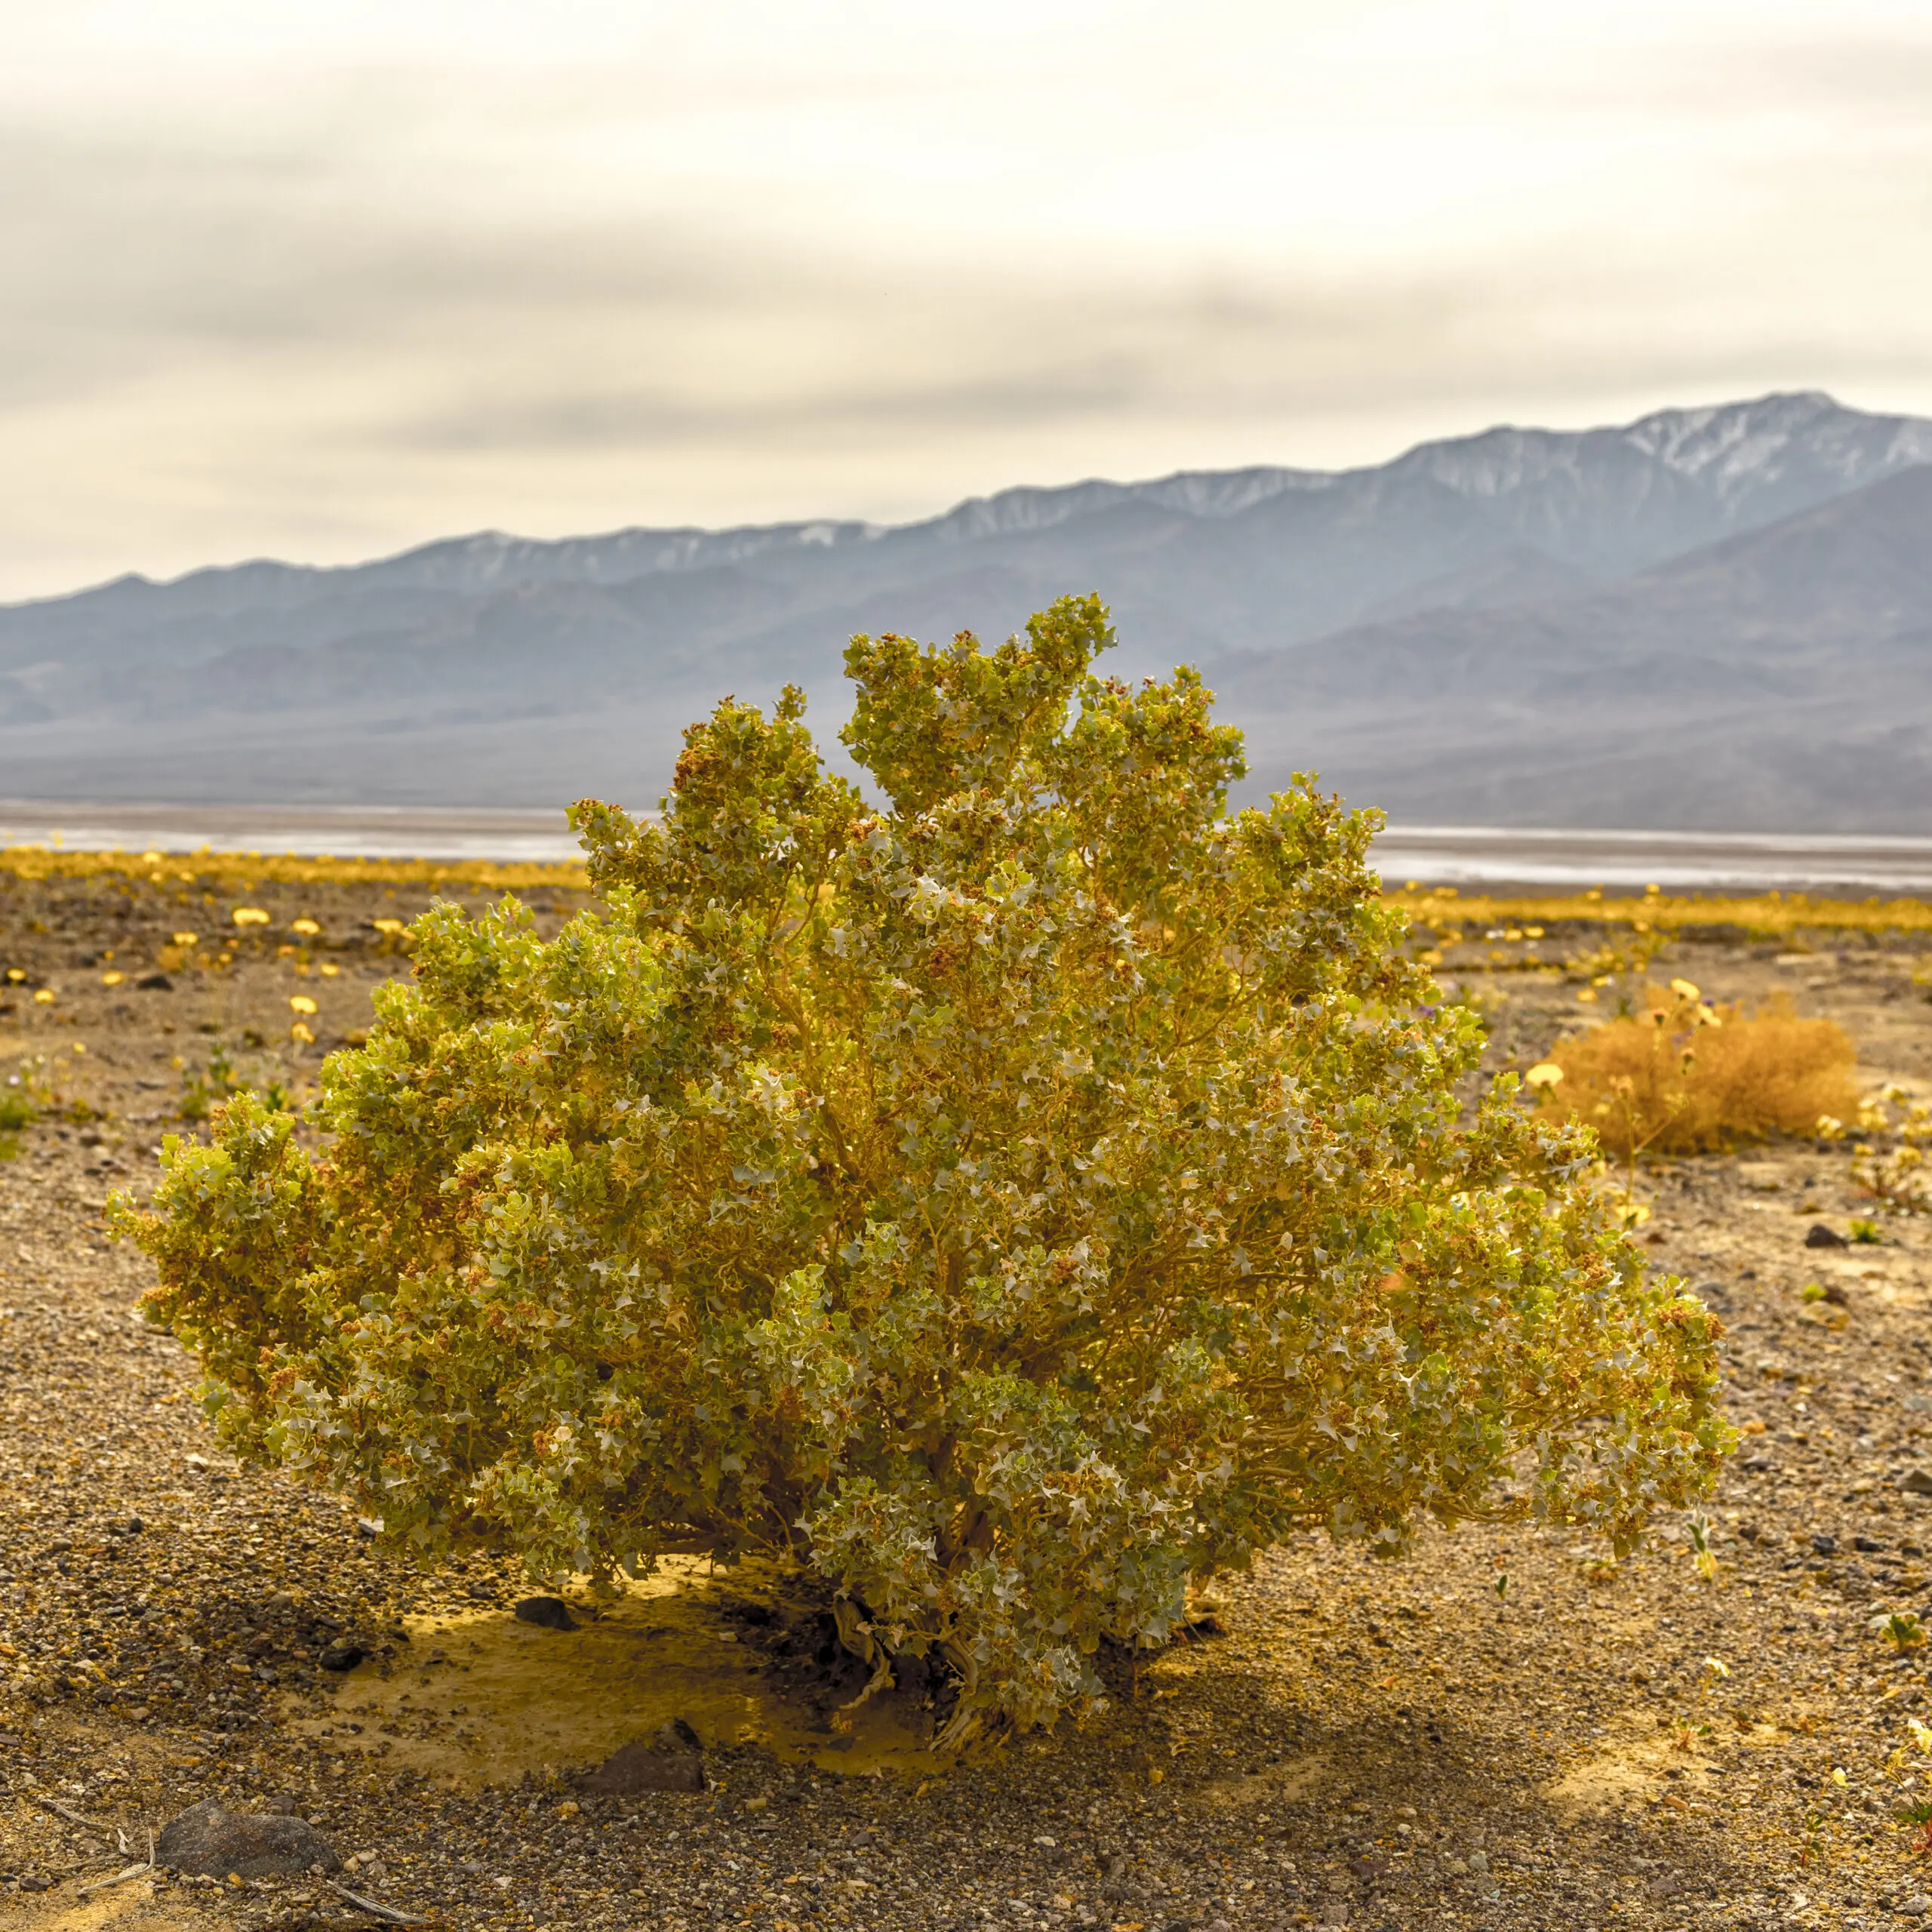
(1545, 1073)
(184, 939)
(112, 979)
(307, 927)
(300, 1031)
(251, 915)
(301, 1003)
(44, 996)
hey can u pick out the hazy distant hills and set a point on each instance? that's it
(1711, 618)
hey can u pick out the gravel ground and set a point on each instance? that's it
(1343, 1742)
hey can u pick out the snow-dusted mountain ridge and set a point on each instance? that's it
(1516, 588)
(1740, 463)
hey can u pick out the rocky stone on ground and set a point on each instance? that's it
(671, 1760)
(546, 1613)
(209, 1840)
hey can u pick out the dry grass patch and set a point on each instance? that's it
(1684, 1076)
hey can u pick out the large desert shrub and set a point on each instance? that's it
(1685, 1076)
(1007, 1201)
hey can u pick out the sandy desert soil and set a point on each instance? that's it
(1369, 1745)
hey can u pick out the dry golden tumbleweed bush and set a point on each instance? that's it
(1685, 1077)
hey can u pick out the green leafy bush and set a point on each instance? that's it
(1008, 1202)
(16, 1113)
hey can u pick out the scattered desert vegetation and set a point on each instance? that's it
(1653, 916)
(1646, 920)
(226, 873)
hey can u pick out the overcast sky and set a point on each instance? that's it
(323, 280)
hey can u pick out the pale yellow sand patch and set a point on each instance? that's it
(480, 1699)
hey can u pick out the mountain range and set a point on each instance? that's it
(1716, 618)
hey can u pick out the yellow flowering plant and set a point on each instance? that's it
(1004, 1202)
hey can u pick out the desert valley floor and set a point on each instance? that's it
(1342, 1743)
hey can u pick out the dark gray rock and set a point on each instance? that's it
(672, 1760)
(1825, 1545)
(1821, 1236)
(209, 1840)
(342, 1656)
(547, 1613)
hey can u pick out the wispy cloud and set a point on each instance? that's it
(325, 281)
